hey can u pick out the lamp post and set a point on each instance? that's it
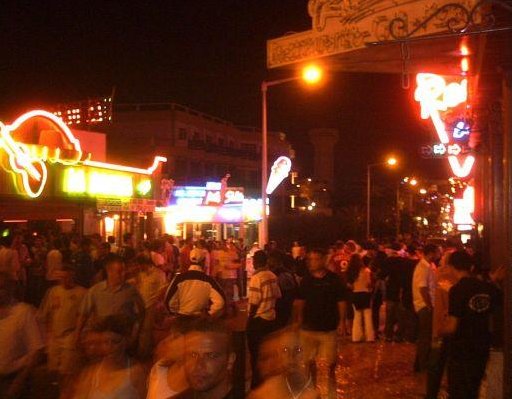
(310, 74)
(390, 162)
(406, 180)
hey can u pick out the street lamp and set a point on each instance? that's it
(311, 74)
(411, 181)
(391, 161)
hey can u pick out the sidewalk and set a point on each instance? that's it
(378, 370)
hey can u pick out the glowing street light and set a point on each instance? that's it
(311, 75)
(423, 191)
(413, 182)
(390, 161)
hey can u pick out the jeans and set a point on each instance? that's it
(435, 369)
(393, 317)
(466, 368)
(423, 343)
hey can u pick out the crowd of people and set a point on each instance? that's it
(120, 320)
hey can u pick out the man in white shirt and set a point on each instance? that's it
(53, 263)
(20, 338)
(9, 259)
(194, 293)
(59, 312)
(150, 282)
(423, 291)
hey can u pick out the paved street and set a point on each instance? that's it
(379, 370)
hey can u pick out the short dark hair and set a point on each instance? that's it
(430, 249)
(113, 258)
(259, 259)
(317, 250)
(118, 324)
(143, 260)
(461, 260)
(209, 325)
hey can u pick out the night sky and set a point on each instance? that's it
(209, 55)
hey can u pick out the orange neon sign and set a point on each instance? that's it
(434, 96)
(57, 144)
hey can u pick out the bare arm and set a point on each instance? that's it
(425, 294)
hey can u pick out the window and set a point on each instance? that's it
(182, 133)
(209, 139)
(197, 135)
(221, 141)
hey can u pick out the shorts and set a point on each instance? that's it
(361, 300)
(319, 346)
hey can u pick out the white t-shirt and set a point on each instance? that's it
(20, 336)
(424, 276)
(9, 262)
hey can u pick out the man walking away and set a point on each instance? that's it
(263, 293)
(194, 293)
(471, 303)
(423, 291)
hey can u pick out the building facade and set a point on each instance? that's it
(199, 147)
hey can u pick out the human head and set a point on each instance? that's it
(128, 238)
(67, 276)
(114, 331)
(104, 249)
(281, 352)
(7, 241)
(316, 260)
(259, 259)
(197, 257)
(209, 355)
(85, 244)
(461, 261)
(111, 240)
(431, 252)
(116, 270)
(350, 246)
(143, 262)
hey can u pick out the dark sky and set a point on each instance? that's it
(209, 55)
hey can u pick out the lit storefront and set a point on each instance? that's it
(213, 211)
(47, 177)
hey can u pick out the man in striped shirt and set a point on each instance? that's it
(263, 293)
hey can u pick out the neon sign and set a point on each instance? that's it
(461, 131)
(434, 95)
(464, 208)
(279, 172)
(56, 144)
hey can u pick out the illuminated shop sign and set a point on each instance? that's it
(441, 150)
(248, 211)
(446, 105)
(38, 139)
(436, 96)
(103, 183)
(279, 172)
(212, 194)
